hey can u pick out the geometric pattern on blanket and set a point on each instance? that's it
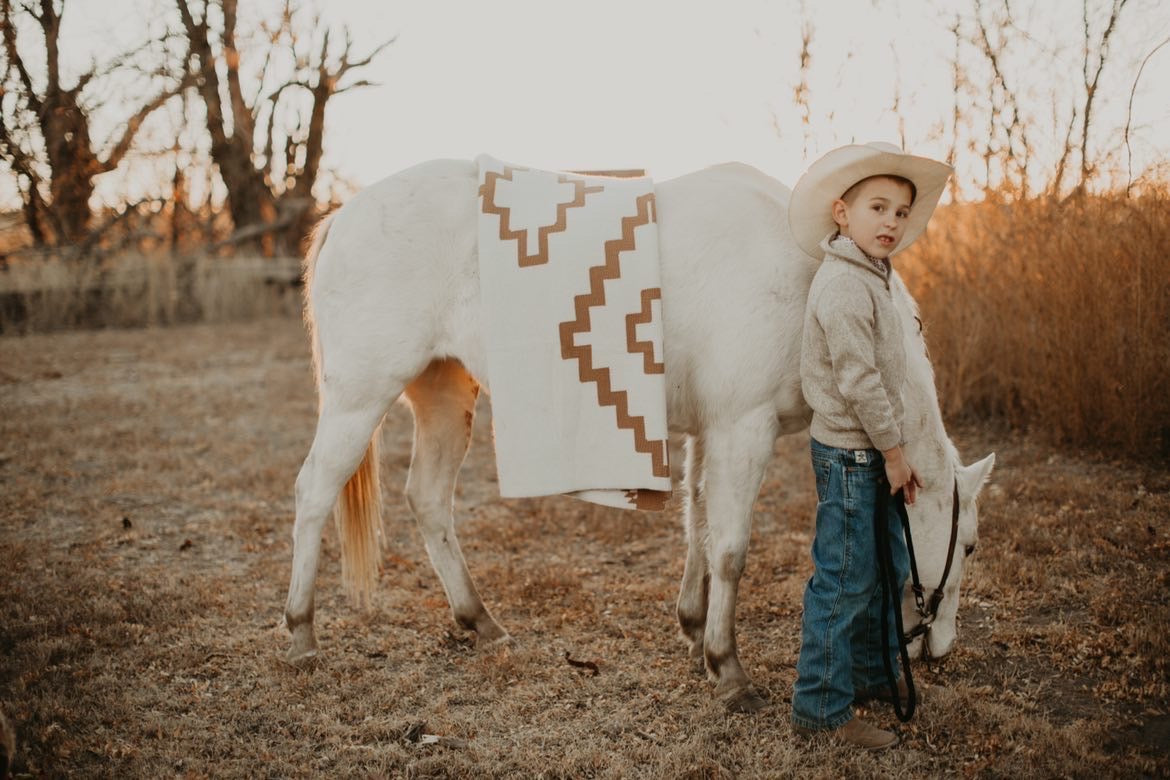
(540, 257)
(572, 300)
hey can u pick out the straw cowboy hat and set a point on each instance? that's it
(810, 208)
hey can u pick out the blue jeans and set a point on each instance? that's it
(841, 643)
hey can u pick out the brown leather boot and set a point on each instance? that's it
(858, 733)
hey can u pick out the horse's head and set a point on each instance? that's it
(935, 458)
(930, 524)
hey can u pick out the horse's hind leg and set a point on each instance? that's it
(735, 458)
(692, 594)
(343, 435)
(443, 400)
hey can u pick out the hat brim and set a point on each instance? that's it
(810, 214)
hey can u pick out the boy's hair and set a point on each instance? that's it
(851, 193)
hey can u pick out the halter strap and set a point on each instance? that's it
(928, 610)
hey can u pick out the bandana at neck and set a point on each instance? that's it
(881, 265)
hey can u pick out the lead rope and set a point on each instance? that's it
(928, 610)
(889, 586)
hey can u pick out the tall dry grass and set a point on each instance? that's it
(1052, 316)
(51, 293)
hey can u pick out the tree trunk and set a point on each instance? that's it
(72, 163)
(248, 198)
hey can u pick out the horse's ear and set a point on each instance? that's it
(972, 478)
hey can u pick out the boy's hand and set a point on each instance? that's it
(901, 474)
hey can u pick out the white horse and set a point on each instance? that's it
(393, 304)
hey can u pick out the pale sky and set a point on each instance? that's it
(675, 86)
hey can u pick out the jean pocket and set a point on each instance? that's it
(863, 482)
(822, 470)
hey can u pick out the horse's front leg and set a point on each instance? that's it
(735, 456)
(692, 593)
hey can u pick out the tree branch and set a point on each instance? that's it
(1014, 128)
(50, 22)
(346, 65)
(273, 38)
(24, 167)
(1091, 86)
(125, 60)
(241, 115)
(357, 85)
(958, 82)
(208, 80)
(14, 58)
(134, 123)
(1062, 163)
(1129, 118)
(269, 141)
(95, 235)
(292, 212)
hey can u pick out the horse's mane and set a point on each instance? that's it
(919, 394)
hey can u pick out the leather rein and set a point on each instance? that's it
(928, 608)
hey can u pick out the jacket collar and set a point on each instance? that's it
(845, 249)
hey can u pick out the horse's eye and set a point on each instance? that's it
(968, 550)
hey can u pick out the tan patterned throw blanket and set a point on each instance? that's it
(572, 307)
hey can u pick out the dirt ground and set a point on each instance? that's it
(145, 526)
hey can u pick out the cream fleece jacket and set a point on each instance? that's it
(852, 359)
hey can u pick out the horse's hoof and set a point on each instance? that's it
(304, 659)
(488, 633)
(483, 642)
(745, 700)
(304, 646)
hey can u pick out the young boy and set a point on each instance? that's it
(855, 207)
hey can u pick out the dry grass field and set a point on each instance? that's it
(1051, 314)
(145, 515)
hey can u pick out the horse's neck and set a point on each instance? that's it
(928, 447)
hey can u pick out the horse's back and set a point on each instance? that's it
(397, 279)
(734, 288)
(397, 283)
(403, 221)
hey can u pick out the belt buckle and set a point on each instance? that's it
(860, 456)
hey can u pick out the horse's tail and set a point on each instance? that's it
(359, 517)
(358, 513)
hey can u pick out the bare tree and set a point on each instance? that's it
(1006, 123)
(1005, 139)
(45, 133)
(1095, 54)
(1092, 78)
(269, 188)
(248, 197)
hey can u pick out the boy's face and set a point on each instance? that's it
(875, 215)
